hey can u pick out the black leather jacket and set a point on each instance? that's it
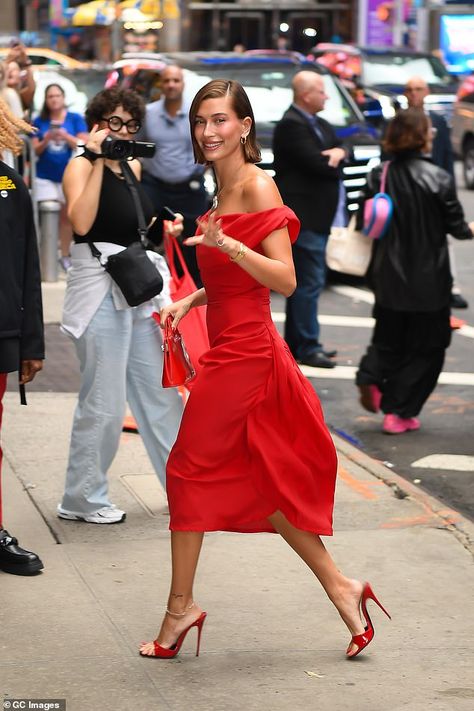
(410, 269)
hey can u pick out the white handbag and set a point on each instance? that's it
(348, 250)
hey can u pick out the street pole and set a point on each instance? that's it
(398, 23)
(116, 35)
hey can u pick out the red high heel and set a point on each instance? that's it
(170, 652)
(363, 639)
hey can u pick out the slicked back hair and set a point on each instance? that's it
(219, 88)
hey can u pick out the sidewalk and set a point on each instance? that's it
(272, 641)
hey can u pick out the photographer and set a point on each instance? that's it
(118, 346)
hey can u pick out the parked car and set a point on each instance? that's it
(462, 135)
(45, 57)
(267, 78)
(383, 73)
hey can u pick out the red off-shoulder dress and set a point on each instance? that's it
(252, 439)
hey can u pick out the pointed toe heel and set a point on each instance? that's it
(365, 638)
(171, 652)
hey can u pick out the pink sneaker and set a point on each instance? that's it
(370, 397)
(412, 423)
(393, 424)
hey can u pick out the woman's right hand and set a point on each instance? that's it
(177, 311)
(96, 136)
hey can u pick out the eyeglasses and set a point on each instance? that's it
(115, 123)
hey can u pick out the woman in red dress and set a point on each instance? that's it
(253, 452)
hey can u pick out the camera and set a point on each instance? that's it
(117, 149)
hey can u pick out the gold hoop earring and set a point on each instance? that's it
(243, 140)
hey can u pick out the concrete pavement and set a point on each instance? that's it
(272, 641)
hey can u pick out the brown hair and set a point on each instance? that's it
(107, 101)
(216, 89)
(407, 132)
(45, 113)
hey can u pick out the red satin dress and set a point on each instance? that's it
(252, 439)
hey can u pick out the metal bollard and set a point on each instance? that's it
(49, 238)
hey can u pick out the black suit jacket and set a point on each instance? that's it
(442, 151)
(306, 182)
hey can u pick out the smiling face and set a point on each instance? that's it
(218, 130)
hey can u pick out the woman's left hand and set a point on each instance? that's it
(211, 232)
(174, 228)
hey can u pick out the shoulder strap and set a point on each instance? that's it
(130, 180)
(383, 179)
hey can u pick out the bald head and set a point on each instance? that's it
(172, 83)
(416, 90)
(308, 91)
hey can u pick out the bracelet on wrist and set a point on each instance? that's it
(243, 249)
(90, 155)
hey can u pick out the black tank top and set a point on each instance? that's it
(116, 219)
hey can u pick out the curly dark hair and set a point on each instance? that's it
(107, 100)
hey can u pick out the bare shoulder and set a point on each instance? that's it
(76, 168)
(136, 166)
(260, 192)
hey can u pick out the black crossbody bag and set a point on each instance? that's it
(131, 269)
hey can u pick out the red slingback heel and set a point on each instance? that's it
(363, 639)
(170, 652)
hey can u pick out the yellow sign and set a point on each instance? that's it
(6, 183)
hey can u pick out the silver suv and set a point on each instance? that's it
(463, 135)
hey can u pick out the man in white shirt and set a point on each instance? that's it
(172, 177)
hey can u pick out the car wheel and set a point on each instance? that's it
(468, 161)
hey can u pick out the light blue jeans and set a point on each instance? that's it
(121, 360)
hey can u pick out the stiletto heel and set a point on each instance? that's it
(170, 652)
(362, 640)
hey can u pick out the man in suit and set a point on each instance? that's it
(416, 90)
(307, 159)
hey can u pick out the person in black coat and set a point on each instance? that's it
(410, 276)
(442, 155)
(21, 315)
(307, 159)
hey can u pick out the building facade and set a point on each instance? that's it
(290, 24)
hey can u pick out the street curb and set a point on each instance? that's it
(448, 519)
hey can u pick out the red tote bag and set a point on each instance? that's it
(193, 326)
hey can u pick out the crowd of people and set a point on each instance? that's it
(266, 463)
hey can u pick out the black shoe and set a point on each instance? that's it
(329, 354)
(16, 560)
(318, 360)
(457, 301)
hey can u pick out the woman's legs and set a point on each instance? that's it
(343, 592)
(103, 352)
(185, 549)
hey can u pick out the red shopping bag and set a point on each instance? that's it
(193, 326)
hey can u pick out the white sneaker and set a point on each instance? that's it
(107, 514)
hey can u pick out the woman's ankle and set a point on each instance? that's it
(179, 605)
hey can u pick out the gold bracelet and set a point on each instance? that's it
(240, 254)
